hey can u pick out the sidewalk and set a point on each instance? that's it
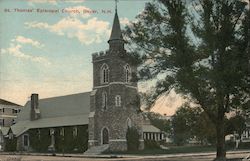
(125, 155)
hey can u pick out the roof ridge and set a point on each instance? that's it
(63, 95)
(3, 101)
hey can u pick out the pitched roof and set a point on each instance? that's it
(150, 128)
(116, 33)
(4, 130)
(4, 102)
(56, 111)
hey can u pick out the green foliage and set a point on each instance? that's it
(10, 144)
(244, 145)
(132, 137)
(235, 124)
(230, 145)
(199, 49)
(63, 143)
(151, 144)
(192, 122)
(39, 139)
(171, 150)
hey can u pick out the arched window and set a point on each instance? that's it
(127, 73)
(105, 136)
(104, 73)
(129, 123)
(117, 100)
(104, 100)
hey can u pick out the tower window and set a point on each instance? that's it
(104, 100)
(127, 73)
(129, 123)
(105, 74)
(118, 100)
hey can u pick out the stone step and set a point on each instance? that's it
(95, 150)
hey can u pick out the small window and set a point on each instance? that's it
(39, 134)
(74, 131)
(104, 100)
(127, 73)
(62, 131)
(1, 122)
(52, 131)
(13, 121)
(26, 140)
(118, 100)
(11, 136)
(14, 111)
(104, 74)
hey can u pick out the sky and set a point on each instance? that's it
(49, 53)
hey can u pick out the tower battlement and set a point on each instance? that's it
(100, 54)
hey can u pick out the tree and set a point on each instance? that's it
(236, 124)
(192, 122)
(162, 124)
(200, 50)
(182, 122)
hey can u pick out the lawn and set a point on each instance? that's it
(171, 150)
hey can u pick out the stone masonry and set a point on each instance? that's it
(109, 120)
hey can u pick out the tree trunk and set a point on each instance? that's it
(221, 150)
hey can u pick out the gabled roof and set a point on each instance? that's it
(67, 110)
(150, 128)
(4, 130)
(116, 33)
(4, 102)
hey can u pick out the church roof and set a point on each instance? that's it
(69, 110)
(4, 102)
(116, 33)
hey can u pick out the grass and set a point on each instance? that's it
(171, 150)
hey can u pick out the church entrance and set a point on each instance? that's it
(105, 136)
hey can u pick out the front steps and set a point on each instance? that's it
(95, 150)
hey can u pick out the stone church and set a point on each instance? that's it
(100, 118)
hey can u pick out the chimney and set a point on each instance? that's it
(34, 111)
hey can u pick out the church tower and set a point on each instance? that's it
(115, 104)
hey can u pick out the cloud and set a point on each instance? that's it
(23, 40)
(93, 31)
(168, 104)
(53, 2)
(15, 50)
(74, 1)
(19, 88)
(124, 21)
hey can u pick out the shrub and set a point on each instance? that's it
(230, 145)
(132, 137)
(10, 144)
(151, 144)
(244, 145)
